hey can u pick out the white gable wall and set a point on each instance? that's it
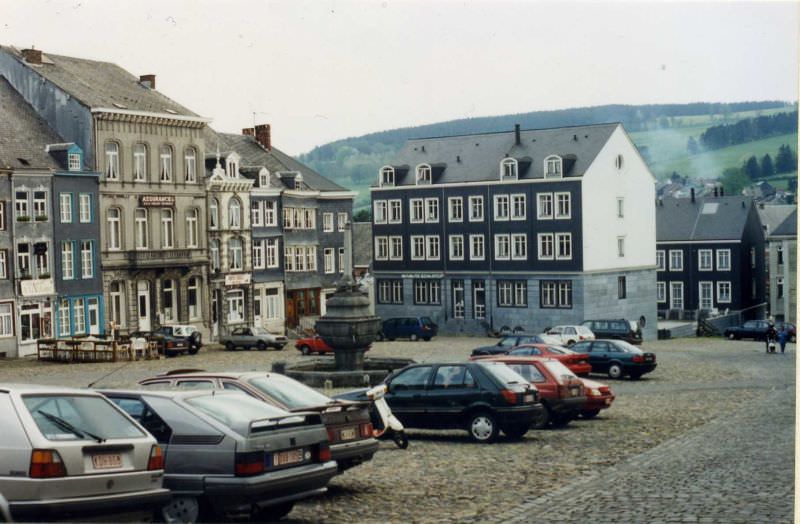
(602, 184)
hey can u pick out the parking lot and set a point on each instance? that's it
(667, 423)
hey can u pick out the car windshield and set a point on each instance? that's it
(559, 350)
(289, 392)
(79, 417)
(503, 373)
(234, 410)
(426, 321)
(624, 347)
(560, 371)
(259, 331)
(184, 331)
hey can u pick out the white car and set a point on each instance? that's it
(568, 335)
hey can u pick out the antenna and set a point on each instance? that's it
(91, 384)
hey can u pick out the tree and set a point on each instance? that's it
(692, 147)
(362, 215)
(767, 169)
(752, 169)
(786, 161)
(733, 180)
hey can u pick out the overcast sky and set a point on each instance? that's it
(319, 71)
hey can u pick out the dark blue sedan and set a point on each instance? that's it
(617, 358)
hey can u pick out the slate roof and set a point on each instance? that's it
(23, 134)
(362, 244)
(787, 228)
(476, 158)
(678, 219)
(101, 84)
(275, 160)
(772, 216)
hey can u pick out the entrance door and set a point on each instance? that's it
(291, 310)
(257, 307)
(479, 299)
(143, 301)
(215, 313)
(94, 316)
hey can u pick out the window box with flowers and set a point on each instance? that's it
(41, 218)
(23, 218)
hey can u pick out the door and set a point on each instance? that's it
(406, 395)
(143, 304)
(257, 308)
(291, 310)
(599, 356)
(215, 312)
(94, 316)
(479, 299)
(453, 390)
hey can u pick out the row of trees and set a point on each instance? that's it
(785, 162)
(746, 130)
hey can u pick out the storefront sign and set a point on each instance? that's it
(237, 279)
(157, 200)
(32, 288)
(422, 275)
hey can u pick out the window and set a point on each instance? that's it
(431, 210)
(24, 259)
(456, 247)
(519, 246)
(165, 163)
(414, 378)
(234, 213)
(620, 207)
(395, 213)
(478, 299)
(779, 254)
(381, 248)
(380, 210)
(620, 246)
(327, 218)
(256, 214)
(3, 264)
(213, 213)
(236, 305)
(390, 291)
(341, 260)
(512, 293)
(552, 167)
(417, 210)
(544, 206)
(424, 174)
(167, 229)
(342, 220)
(563, 205)
(704, 260)
(661, 292)
(65, 206)
(622, 288)
(271, 303)
(67, 261)
(6, 322)
(779, 285)
(87, 259)
(706, 295)
(140, 162)
(193, 298)
(660, 262)
(79, 316)
(455, 207)
(2, 215)
(619, 161)
(508, 169)
(42, 259)
(168, 302)
(501, 207)
(387, 177)
(270, 213)
(74, 161)
(427, 292)
(191, 228)
(675, 260)
(142, 228)
(63, 318)
(395, 248)
(114, 228)
(235, 254)
(676, 295)
(477, 249)
(752, 257)
(85, 208)
(258, 254)
(417, 247)
(555, 294)
(518, 207)
(433, 247)
(21, 205)
(724, 291)
(216, 263)
(476, 209)
(502, 247)
(564, 245)
(723, 259)
(546, 251)
(328, 260)
(112, 161)
(40, 205)
(457, 287)
(263, 178)
(190, 165)
(272, 252)
(115, 292)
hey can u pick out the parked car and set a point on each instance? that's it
(560, 390)
(481, 397)
(71, 454)
(578, 363)
(183, 331)
(568, 335)
(348, 423)
(413, 328)
(617, 358)
(755, 329)
(618, 329)
(228, 453)
(598, 397)
(509, 342)
(313, 344)
(252, 337)
(168, 344)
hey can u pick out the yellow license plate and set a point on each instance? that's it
(292, 456)
(109, 461)
(348, 434)
(528, 398)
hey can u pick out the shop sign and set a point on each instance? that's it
(32, 288)
(157, 200)
(237, 279)
(422, 275)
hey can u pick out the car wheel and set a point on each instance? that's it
(261, 346)
(400, 439)
(541, 420)
(391, 339)
(482, 427)
(305, 350)
(590, 413)
(414, 337)
(615, 370)
(516, 432)
(428, 339)
(194, 351)
(379, 337)
(732, 336)
(276, 512)
(229, 346)
(560, 421)
(181, 510)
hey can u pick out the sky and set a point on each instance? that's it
(322, 70)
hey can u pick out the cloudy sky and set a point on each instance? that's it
(323, 70)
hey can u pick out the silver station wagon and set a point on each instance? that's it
(229, 453)
(70, 453)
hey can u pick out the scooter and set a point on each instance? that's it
(384, 423)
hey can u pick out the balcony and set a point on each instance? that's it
(154, 258)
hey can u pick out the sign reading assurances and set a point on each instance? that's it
(32, 288)
(237, 279)
(157, 200)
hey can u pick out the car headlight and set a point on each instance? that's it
(594, 392)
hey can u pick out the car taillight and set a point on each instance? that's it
(324, 452)
(333, 435)
(366, 430)
(581, 337)
(248, 464)
(638, 358)
(46, 463)
(156, 460)
(509, 396)
(170, 344)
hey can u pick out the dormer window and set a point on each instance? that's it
(298, 182)
(74, 161)
(553, 167)
(508, 169)
(424, 174)
(263, 178)
(387, 176)
(232, 166)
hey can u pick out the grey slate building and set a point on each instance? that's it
(709, 256)
(780, 228)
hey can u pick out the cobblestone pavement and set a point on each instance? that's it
(667, 429)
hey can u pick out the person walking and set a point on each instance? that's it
(770, 336)
(783, 337)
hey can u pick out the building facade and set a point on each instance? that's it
(526, 229)
(780, 228)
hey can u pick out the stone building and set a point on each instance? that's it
(780, 229)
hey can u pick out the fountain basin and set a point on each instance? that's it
(322, 372)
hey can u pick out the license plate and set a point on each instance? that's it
(528, 398)
(347, 434)
(292, 456)
(608, 402)
(648, 357)
(110, 461)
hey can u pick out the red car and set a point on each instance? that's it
(314, 344)
(560, 391)
(578, 363)
(598, 396)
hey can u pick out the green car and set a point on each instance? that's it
(617, 358)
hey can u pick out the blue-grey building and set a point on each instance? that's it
(529, 228)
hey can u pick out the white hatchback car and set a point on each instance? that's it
(568, 335)
(70, 453)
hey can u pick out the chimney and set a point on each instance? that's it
(249, 131)
(263, 136)
(149, 81)
(692, 194)
(32, 56)
(517, 139)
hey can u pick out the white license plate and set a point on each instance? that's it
(528, 398)
(109, 461)
(283, 458)
(347, 434)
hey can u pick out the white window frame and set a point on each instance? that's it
(395, 248)
(562, 202)
(621, 246)
(236, 254)
(455, 209)
(6, 320)
(341, 219)
(433, 249)
(708, 286)
(661, 292)
(256, 213)
(68, 260)
(258, 254)
(142, 225)
(84, 208)
(165, 154)
(213, 213)
(558, 244)
(542, 240)
(620, 207)
(234, 213)
(476, 203)
(341, 260)
(672, 265)
(3, 264)
(74, 161)
(456, 247)
(661, 260)
(79, 316)
(167, 228)
(672, 295)
(327, 219)
(518, 200)
(386, 176)
(501, 240)
(720, 258)
(395, 212)
(500, 202)
(328, 260)
(708, 254)
(720, 285)
(545, 206)
(515, 242)
(111, 151)
(195, 310)
(477, 247)
(87, 259)
(65, 207)
(190, 165)
(192, 230)
(40, 207)
(417, 247)
(509, 169)
(140, 162)
(414, 205)
(271, 253)
(557, 164)
(424, 175)
(432, 210)
(114, 228)
(381, 248)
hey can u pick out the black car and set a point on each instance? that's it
(618, 329)
(480, 397)
(755, 329)
(412, 328)
(617, 358)
(172, 340)
(507, 343)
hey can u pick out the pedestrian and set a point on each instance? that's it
(783, 337)
(770, 336)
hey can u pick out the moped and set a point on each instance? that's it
(384, 423)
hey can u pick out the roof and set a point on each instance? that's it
(101, 84)
(787, 228)
(23, 134)
(772, 216)
(362, 244)
(708, 218)
(476, 158)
